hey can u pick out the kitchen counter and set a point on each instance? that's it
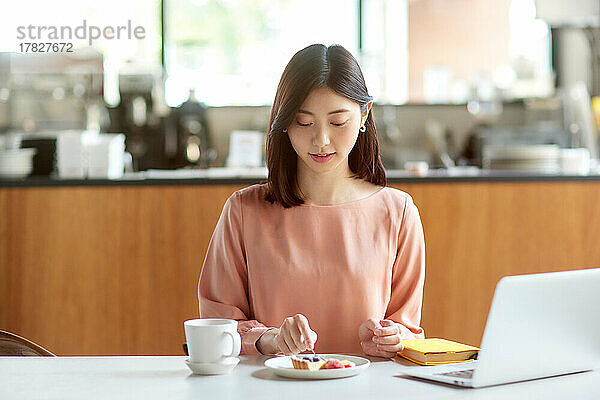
(232, 176)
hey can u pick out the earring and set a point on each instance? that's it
(363, 128)
(285, 131)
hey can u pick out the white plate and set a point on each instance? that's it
(16, 164)
(213, 369)
(26, 152)
(283, 366)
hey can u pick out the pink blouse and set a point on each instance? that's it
(338, 265)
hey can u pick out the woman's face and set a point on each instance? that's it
(324, 130)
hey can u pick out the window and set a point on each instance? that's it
(233, 52)
(119, 55)
(384, 57)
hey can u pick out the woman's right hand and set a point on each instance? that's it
(293, 336)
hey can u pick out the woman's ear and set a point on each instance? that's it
(366, 114)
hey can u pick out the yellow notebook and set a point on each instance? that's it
(437, 351)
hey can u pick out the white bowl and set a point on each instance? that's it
(16, 164)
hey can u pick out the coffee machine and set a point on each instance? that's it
(178, 139)
(136, 117)
(187, 138)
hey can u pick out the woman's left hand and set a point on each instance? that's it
(380, 338)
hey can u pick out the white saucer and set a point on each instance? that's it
(213, 369)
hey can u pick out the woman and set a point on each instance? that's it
(323, 246)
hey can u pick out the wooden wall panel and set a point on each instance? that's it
(114, 270)
(109, 270)
(3, 260)
(476, 233)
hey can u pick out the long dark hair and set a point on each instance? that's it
(313, 67)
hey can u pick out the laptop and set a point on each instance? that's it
(539, 325)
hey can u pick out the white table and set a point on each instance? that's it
(169, 378)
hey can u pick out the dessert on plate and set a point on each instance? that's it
(309, 362)
(314, 362)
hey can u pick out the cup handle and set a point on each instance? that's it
(237, 344)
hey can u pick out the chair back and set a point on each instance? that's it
(15, 345)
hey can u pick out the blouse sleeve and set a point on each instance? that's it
(408, 275)
(223, 285)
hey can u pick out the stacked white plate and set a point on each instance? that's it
(17, 163)
(530, 158)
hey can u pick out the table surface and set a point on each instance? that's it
(169, 378)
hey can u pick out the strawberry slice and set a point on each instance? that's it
(333, 364)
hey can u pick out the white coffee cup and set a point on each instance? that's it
(212, 340)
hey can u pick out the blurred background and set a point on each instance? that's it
(126, 125)
(448, 78)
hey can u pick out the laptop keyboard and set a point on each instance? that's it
(467, 374)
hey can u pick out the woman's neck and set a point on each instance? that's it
(331, 187)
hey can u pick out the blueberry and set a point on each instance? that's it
(315, 359)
